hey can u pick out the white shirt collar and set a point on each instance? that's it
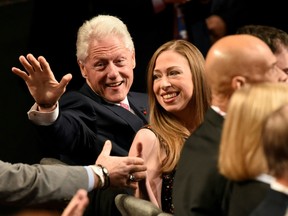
(279, 187)
(218, 110)
(268, 179)
(124, 101)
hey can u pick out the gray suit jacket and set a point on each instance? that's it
(23, 184)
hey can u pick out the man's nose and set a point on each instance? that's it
(112, 70)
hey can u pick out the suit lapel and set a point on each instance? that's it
(135, 121)
(139, 109)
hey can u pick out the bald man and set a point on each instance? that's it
(275, 38)
(231, 63)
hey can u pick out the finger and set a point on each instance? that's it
(44, 64)
(20, 73)
(65, 80)
(105, 153)
(132, 185)
(72, 206)
(137, 168)
(131, 181)
(138, 176)
(137, 173)
(77, 205)
(26, 64)
(32, 62)
(134, 160)
(83, 202)
(106, 148)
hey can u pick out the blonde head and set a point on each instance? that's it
(241, 152)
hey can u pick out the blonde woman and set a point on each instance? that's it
(241, 158)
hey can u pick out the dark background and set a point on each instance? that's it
(18, 140)
(49, 28)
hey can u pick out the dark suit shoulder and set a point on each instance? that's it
(138, 95)
(74, 100)
(208, 134)
(241, 197)
(198, 186)
(275, 203)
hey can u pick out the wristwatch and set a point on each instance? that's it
(99, 172)
(106, 177)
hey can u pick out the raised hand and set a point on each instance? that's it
(77, 205)
(40, 80)
(120, 168)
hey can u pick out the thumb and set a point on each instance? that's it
(65, 80)
(106, 148)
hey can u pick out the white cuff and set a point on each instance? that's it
(43, 118)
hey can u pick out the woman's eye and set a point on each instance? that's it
(155, 76)
(173, 73)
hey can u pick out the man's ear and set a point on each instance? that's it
(83, 69)
(134, 60)
(238, 82)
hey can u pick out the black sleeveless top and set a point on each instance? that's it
(166, 192)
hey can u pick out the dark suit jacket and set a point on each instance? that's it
(275, 203)
(241, 198)
(198, 187)
(86, 121)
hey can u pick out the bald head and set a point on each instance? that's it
(243, 56)
(235, 60)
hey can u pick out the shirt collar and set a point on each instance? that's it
(218, 110)
(279, 187)
(268, 179)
